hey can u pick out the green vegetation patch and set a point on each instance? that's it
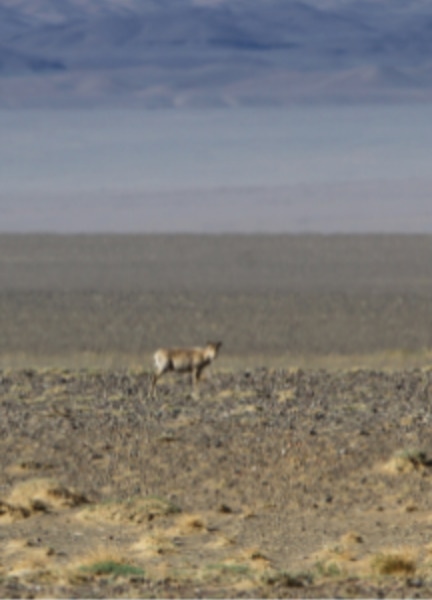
(328, 569)
(114, 569)
(230, 570)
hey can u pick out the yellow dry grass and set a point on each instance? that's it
(167, 549)
(156, 544)
(141, 362)
(257, 560)
(38, 495)
(351, 538)
(10, 513)
(99, 554)
(46, 491)
(220, 541)
(400, 562)
(332, 561)
(32, 562)
(133, 510)
(404, 461)
(21, 558)
(350, 559)
(286, 395)
(188, 524)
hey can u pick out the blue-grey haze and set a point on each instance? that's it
(326, 169)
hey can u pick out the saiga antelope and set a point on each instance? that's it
(183, 360)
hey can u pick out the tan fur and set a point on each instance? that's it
(183, 360)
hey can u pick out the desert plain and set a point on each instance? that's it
(302, 469)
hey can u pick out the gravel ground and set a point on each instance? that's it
(294, 482)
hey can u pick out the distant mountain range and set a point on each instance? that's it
(200, 53)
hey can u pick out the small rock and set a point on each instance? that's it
(415, 582)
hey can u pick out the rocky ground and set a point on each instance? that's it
(304, 467)
(273, 483)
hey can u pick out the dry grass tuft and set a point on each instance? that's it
(13, 546)
(38, 495)
(10, 513)
(256, 560)
(406, 461)
(350, 538)
(155, 544)
(135, 510)
(338, 553)
(392, 562)
(344, 561)
(188, 524)
(244, 409)
(22, 558)
(99, 554)
(338, 560)
(220, 542)
(34, 562)
(286, 395)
